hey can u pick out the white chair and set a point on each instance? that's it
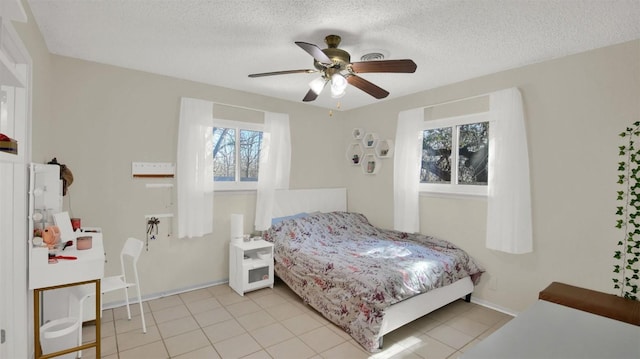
(131, 252)
(132, 249)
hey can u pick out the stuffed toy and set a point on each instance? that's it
(51, 235)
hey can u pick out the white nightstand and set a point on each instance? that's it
(250, 265)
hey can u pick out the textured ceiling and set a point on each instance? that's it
(221, 42)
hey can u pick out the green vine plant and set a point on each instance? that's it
(626, 278)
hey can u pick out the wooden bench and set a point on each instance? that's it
(599, 303)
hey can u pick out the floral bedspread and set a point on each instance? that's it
(350, 271)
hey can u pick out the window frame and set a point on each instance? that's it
(454, 188)
(236, 185)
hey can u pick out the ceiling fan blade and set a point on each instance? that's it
(316, 52)
(367, 87)
(310, 96)
(398, 66)
(305, 71)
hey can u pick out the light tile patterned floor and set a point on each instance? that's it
(216, 322)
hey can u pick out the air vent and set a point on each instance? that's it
(372, 56)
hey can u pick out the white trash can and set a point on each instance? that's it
(60, 334)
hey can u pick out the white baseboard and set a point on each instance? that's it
(152, 296)
(493, 306)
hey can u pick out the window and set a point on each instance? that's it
(236, 154)
(455, 155)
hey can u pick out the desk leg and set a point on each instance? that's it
(36, 323)
(98, 318)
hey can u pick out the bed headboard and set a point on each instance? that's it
(294, 201)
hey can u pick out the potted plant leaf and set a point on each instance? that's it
(626, 278)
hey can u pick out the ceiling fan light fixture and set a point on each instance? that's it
(338, 95)
(317, 85)
(338, 85)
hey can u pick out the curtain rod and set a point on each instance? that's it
(460, 99)
(240, 107)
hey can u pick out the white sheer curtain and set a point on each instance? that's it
(195, 168)
(509, 227)
(275, 165)
(406, 171)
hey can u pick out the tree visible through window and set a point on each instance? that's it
(473, 153)
(250, 142)
(236, 154)
(436, 156)
(224, 154)
(467, 165)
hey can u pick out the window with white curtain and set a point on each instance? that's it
(508, 188)
(455, 155)
(236, 154)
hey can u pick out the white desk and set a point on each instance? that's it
(88, 268)
(89, 265)
(548, 330)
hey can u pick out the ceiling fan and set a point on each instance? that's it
(335, 67)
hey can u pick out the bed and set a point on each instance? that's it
(368, 281)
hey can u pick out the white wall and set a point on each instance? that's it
(574, 107)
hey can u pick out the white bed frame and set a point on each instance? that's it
(290, 202)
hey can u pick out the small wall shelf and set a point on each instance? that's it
(158, 185)
(153, 169)
(161, 215)
(369, 140)
(355, 153)
(384, 148)
(370, 164)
